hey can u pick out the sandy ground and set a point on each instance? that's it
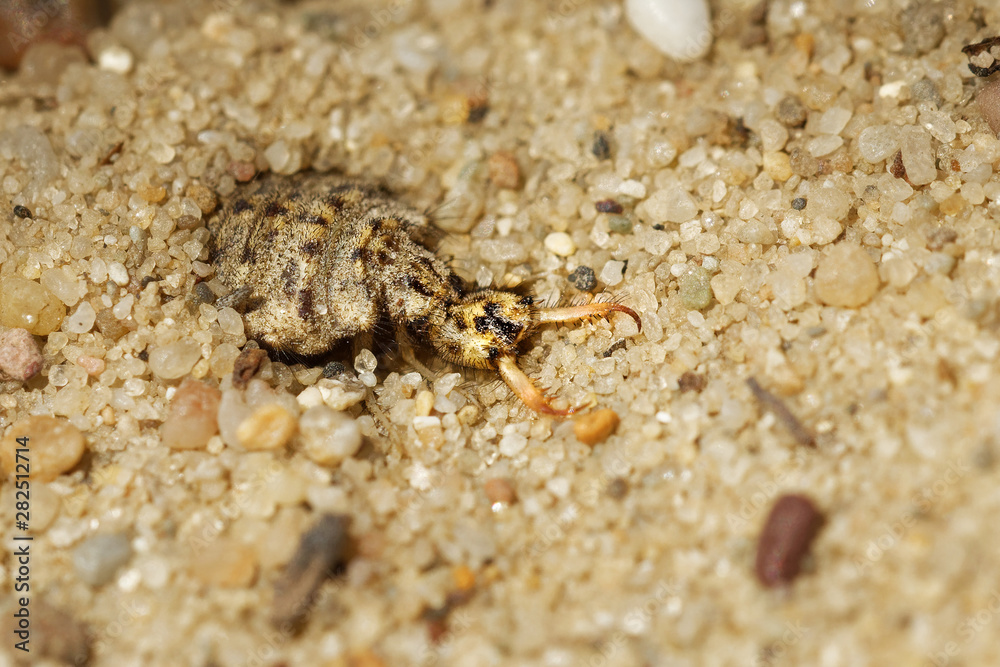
(813, 206)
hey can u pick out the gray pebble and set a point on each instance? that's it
(202, 293)
(583, 278)
(97, 558)
(791, 112)
(601, 147)
(922, 25)
(926, 91)
(620, 224)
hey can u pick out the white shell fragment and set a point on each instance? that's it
(680, 29)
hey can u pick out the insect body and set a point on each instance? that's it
(318, 258)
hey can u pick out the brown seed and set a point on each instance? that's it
(789, 530)
(595, 427)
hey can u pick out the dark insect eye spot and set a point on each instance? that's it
(526, 301)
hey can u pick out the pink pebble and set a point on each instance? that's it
(20, 357)
(92, 365)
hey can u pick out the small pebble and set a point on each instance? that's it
(798, 203)
(612, 272)
(595, 427)
(503, 170)
(617, 488)
(322, 549)
(601, 148)
(464, 578)
(785, 539)
(242, 171)
(560, 243)
(499, 490)
(97, 558)
(691, 381)
(110, 326)
(247, 365)
(846, 277)
(22, 211)
(328, 436)
(695, 288)
(92, 365)
(202, 293)
(608, 206)
(679, 29)
(333, 369)
(791, 112)
(620, 224)
(918, 155)
(54, 446)
(82, 320)
(926, 91)
(270, 426)
(203, 197)
(115, 59)
(583, 278)
(193, 415)
(922, 27)
(174, 360)
(778, 165)
(20, 357)
(225, 562)
(26, 304)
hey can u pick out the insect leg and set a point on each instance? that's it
(574, 313)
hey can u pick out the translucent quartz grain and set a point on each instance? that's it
(56, 446)
(174, 360)
(328, 436)
(27, 305)
(878, 142)
(846, 277)
(918, 158)
(81, 320)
